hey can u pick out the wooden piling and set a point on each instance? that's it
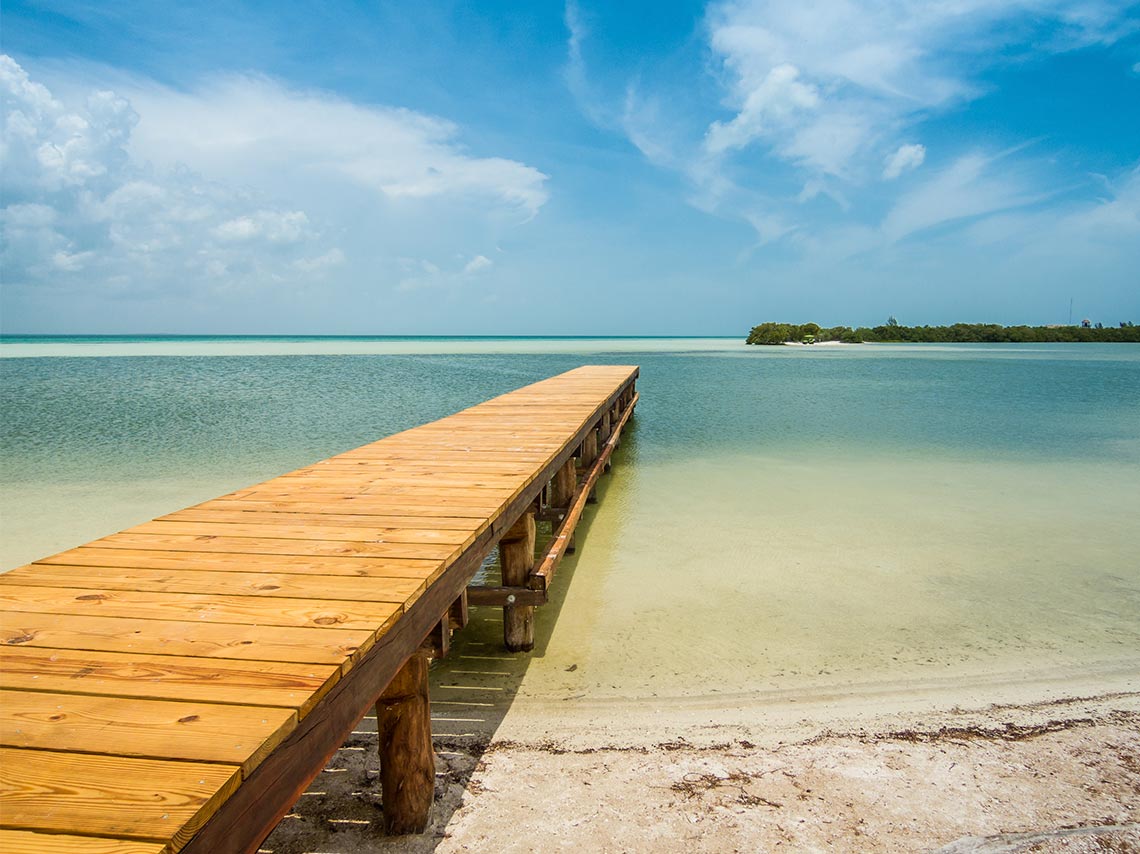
(516, 555)
(589, 451)
(457, 613)
(407, 760)
(563, 485)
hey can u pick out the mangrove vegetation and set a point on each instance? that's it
(959, 333)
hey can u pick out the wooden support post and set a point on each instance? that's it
(589, 449)
(563, 485)
(438, 643)
(458, 611)
(516, 555)
(589, 455)
(407, 760)
(604, 430)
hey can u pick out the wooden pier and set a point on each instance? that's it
(176, 686)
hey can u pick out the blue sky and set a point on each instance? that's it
(587, 168)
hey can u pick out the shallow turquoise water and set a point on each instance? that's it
(839, 513)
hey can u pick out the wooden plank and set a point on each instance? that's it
(355, 504)
(419, 465)
(204, 513)
(500, 595)
(402, 488)
(168, 637)
(120, 796)
(423, 502)
(256, 584)
(285, 530)
(136, 601)
(154, 729)
(397, 477)
(27, 842)
(231, 561)
(167, 677)
(268, 545)
(405, 452)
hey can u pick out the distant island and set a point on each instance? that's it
(960, 333)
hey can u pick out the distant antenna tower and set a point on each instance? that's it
(1070, 311)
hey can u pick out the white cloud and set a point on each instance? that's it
(825, 82)
(321, 263)
(906, 158)
(969, 187)
(238, 185)
(252, 127)
(768, 106)
(823, 93)
(273, 226)
(479, 262)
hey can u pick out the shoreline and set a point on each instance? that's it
(1060, 775)
(952, 764)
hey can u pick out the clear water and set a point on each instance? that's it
(779, 517)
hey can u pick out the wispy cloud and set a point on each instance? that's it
(233, 124)
(575, 73)
(479, 262)
(969, 187)
(829, 83)
(830, 95)
(904, 159)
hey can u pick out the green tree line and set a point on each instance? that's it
(958, 333)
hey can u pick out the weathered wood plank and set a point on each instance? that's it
(370, 567)
(154, 729)
(167, 677)
(28, 842)
(205, 513)
(168, 637)
(138, 602)
(270, 545)
(145, 799)
(278, 529)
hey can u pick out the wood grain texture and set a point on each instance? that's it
(169, 637)
(242, 584)
(82, 793)
(284, 529)
(272, 545)
(407, 758)
(369, 567)
(27, 842)
(206, 513)
(120, 726)
(213, 608)
(166, 677)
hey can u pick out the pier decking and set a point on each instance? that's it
(177, 685)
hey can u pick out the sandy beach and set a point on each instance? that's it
(1049, 762)
(1054, 776)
